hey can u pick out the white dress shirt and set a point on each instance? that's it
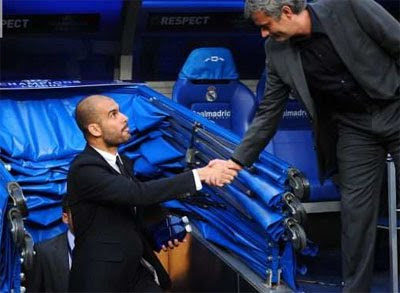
(71, 245)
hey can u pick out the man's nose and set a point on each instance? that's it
(264, 33)
(124, 118)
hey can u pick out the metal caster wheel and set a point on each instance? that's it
(299, 183)
(296, 234)
(15, 192)
(27, 252)
(294, 208)
(16, 225)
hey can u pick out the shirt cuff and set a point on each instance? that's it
(197, 180)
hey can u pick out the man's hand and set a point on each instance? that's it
(172, 245)
(217, 175)
(227, 163)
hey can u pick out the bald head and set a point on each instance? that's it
(87, 111)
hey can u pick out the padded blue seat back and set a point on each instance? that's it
(294, 143)
(209, 85)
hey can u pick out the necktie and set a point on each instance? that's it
(145, 263)
(118, 162)
(125, 173)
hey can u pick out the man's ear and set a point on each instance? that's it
(64, 218)
(95, 129)
(287, 11)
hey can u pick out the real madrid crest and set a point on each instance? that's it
(211, 94)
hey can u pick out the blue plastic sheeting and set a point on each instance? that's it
(36, 202)
(209, 63)
(158, 151)
(269, 220)
(46, 216)
(269, 192)
(147, 170)
(288, 265)
(41, 138)
(47, 188)
(146, 116)
(10, 266)
(38, 167)
(136, 140)
(45, 120)
(47, 177)
(212, 234)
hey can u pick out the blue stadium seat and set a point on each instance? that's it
(209, 85)
(294, 143)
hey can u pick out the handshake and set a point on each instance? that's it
(219, 172)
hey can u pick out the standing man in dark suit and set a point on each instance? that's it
(111, 253)
(52, 260)
(342, 57)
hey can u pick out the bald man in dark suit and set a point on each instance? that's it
(112, 253)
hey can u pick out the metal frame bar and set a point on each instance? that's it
(321, 207)
(130, 12)
(392, 206)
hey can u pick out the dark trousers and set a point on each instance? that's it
(364, 139)
(144, 282)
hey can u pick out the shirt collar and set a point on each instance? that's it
(110, 158)
(316, 27)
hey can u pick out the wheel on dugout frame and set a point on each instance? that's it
(17, 196)
(16, 225)
(294, 208)
(27, 252)
(299, 183)
(295, 233)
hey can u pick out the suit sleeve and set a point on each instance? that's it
(267, 117)
(379, 25)
(95, 183)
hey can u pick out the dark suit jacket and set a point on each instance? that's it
(367, 39)
(109, 241)
(50, 267)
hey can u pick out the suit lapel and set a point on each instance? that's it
(91, 151)
(128, 167)
(333, 28)
(295, 67)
